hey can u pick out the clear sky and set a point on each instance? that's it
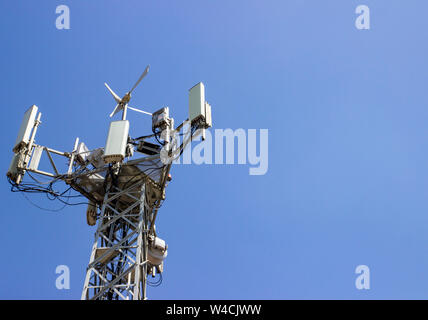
(346, 110)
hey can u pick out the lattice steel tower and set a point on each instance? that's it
(124, 192)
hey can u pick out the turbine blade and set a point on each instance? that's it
(115, 96)
(138, 110)
(141, 78)
(116, 110)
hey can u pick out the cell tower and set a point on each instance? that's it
(124, 192)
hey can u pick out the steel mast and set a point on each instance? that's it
(124, 194)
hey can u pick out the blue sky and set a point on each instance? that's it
(346, 111)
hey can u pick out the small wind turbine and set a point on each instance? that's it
(122, 104)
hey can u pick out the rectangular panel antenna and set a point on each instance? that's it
(25, 129)
(197, 102)
(82, 152)
(12, 173)
(208, 119)
(117, 140)
(35, 159)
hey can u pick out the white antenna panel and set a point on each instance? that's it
(197, 102)
(82, 152)
(35, 159)
(117, 140)
(26, 127)
(208, 118)
(13, 173)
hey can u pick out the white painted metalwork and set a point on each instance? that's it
(118, 265)
(127, 193)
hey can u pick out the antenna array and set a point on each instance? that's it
(124, 194)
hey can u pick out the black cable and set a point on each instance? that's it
(145, 172)
(157, 283)
(145, 137)
(50, 193)
(41, 208)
